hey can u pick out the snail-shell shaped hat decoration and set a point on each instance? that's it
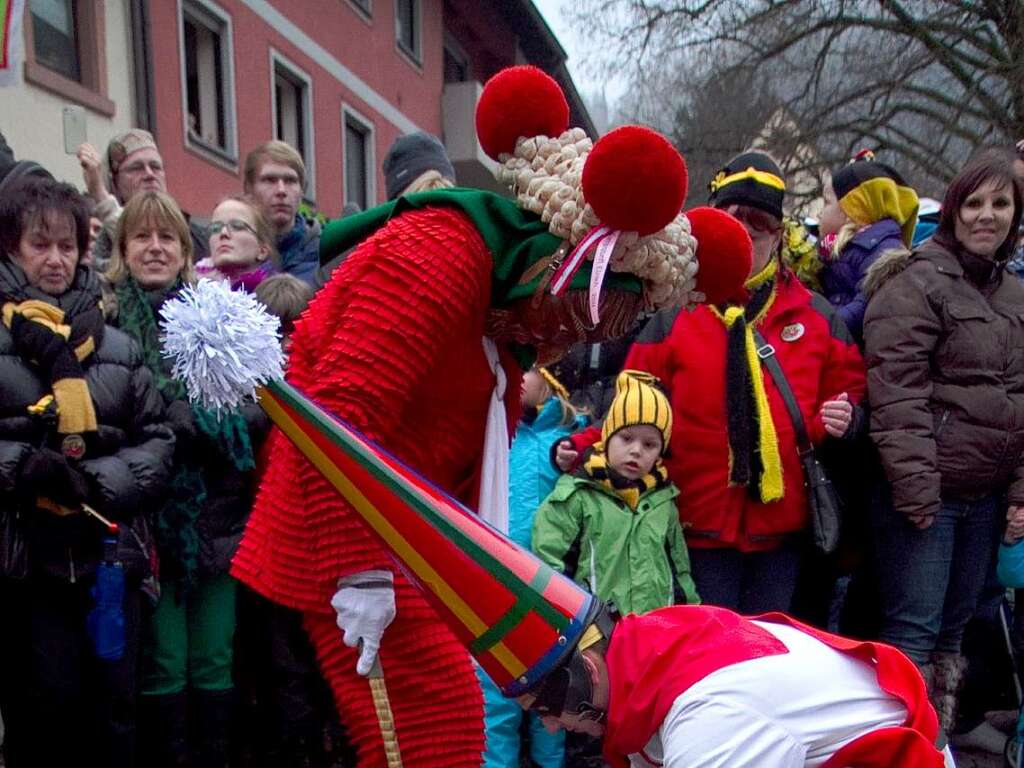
(617, 201)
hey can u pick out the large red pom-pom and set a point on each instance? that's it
(519, 101)
(634, 179)
(724, 253)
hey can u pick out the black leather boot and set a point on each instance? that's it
(212, 712)
(162, 731)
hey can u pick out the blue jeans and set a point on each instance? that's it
(747, 582)
(931, 580)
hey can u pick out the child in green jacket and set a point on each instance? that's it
(616, 515)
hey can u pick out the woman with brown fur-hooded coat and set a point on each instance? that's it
(944, 335)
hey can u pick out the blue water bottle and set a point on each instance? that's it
(105, 622)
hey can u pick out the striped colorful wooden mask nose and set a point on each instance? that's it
(516, 616)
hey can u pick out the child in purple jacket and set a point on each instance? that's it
(869, 210)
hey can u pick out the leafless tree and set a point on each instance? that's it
(922, 82)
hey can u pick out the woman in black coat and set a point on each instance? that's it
(80, 424)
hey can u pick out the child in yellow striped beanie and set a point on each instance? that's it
(618, 508)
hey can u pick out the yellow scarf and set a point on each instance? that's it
(630, 491)
(759, 466)
(75, 411)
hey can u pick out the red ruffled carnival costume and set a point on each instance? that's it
(392, 345)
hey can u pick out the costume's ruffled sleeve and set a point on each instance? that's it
(362, 351)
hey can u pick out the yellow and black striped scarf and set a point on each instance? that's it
(58, 346)
(754, 460)
(595, 465)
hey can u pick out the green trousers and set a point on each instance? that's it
(189, 643)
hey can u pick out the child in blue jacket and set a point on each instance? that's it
(1010, 568)
(547, 418)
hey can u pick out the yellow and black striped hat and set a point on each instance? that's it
(638, 400)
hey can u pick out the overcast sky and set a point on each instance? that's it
(572, 41)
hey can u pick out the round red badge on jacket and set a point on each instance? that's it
(73, 446)
(793, 332)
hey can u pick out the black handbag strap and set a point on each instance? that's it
(766, 352)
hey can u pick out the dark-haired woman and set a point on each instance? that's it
(944, 336)
(80, 423)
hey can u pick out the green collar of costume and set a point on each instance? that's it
(517, 239)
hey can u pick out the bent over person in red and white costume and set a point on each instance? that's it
(418, 342)
(693, 686)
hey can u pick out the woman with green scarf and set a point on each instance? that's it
(188, 649)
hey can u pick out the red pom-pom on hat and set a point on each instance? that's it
(724, 252)
(635, 180)
(519, 101)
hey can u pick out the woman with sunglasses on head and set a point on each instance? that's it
(733, 453)
(242, 248)
(188, 641)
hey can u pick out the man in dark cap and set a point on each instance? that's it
(416, 163)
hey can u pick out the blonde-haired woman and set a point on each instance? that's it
(188, 644)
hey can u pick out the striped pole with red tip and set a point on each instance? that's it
(515, 615)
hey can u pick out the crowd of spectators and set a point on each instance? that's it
(662, 469)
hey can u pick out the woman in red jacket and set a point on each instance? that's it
(733, 452)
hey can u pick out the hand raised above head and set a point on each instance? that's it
(92, 172)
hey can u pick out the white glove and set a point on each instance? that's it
(365, 604)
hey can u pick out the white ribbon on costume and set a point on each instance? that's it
(601, 259)
(493, 508)
(604, 239)
(564, 274)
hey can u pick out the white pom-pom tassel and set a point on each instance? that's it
(223, 343)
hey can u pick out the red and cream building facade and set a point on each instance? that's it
(338, 79)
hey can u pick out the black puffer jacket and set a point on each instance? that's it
(130, 465)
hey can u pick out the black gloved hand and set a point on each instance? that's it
(182, 423)
(48, 473)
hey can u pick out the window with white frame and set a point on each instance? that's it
(292, 100)
(407, 27)
(55, 36)
(456, 62)
(359, 171)
(365, 7)
(208, 77)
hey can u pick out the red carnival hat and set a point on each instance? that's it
(618, 200)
